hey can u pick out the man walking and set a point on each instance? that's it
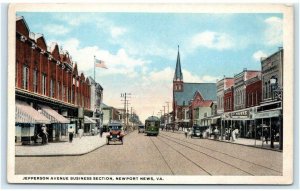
(71, 134)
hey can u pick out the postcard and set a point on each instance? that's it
(150, 93)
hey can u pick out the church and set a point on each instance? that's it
(192, 102)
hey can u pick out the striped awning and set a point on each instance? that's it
(52, 115)
(27, 114)
(88, 120)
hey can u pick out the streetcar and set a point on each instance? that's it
(152, 125)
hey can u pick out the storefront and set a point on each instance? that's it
(57, 130)
(269, 125)
(89, 126)
(242, 120)
(27, 123)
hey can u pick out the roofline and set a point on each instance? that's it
(18, 17)
(199, 83)
(280, 50)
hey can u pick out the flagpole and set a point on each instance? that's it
(95, 86)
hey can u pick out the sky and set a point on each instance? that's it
(140, 49)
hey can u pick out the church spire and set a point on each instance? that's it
(178, 74)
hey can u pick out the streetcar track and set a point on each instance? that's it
(186, 157)
(162, 156)
(221, 153)
(210, 157)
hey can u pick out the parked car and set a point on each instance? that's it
(115, 133)
(196, 131)
(141, 129)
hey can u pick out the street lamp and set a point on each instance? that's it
(277, 92)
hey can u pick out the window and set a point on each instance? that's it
(58, 90)
(25, 77)
(51, 88)
(44, 84)
(35, 84)
(63, 92)
(16, 74)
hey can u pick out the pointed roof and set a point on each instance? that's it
(178, 74)
(207, 90)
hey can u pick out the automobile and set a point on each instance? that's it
(115, 133)
(141, 129)
(196, 131)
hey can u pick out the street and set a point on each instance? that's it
(167, 154)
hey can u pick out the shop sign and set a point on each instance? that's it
(240, 114)
(267, 114)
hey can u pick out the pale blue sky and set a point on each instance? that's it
(140, 49)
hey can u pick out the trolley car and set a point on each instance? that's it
(152, 125)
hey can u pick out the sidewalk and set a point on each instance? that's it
(252, 143)
(245, 142)
(79, 146)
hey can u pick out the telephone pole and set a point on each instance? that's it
(126, 103)
(168, 111)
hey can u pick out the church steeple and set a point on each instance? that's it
(178, 77)
(178, 74)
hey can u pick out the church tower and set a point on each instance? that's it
(178, 77)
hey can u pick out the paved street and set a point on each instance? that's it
(168, 154)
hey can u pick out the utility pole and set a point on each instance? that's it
(168, 111)
(164, 115)
(131, 116)
(126, 97)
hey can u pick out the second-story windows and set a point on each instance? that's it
(35, 81)
(25, 77)
(44, 84)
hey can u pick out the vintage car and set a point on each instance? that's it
(115, 133)
(196, 131)
(141, 129)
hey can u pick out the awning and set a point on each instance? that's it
(27, 114)
(88, 120)
(52, 115)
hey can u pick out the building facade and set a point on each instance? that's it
(240, 87)
(222, 85)
(47, 79)
(187, 97)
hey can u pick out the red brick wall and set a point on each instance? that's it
(253, 93)
(228, 101)
(36, 60)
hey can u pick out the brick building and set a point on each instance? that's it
(46, 76)
(188, 97)
(253, 91)
(223, 85)
(228, 99)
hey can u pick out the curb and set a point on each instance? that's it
(63, 155)
(253, 146)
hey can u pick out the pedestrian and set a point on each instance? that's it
(266, 134)
(101, 131)
(80, 132)
(71, 134)
(185, 132)
(44, 134)
(216, 133)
